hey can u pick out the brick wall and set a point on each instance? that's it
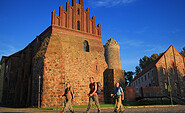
(151, 91)
(66, 61)
(2, 71)
(130, 93)
(111, 76)
(173, 63)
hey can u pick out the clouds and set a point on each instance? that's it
(111, 3)
(6, 49)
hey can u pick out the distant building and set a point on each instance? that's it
(168, 69)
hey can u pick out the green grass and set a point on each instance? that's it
(82, 106)
(126, 104)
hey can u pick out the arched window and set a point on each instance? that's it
(86, 46)
(78, 25)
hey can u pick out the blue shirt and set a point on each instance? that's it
(118, 91)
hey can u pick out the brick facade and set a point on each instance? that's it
(130, 93)
(166, 70)
(70, 50)
(113, 73)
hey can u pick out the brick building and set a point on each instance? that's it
(168, 69)
(70, 50)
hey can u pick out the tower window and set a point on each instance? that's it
(86, 46)
(78, 11)
(78, 25)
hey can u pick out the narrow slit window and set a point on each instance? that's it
(78, 11)
(78, 25)
(86, 46)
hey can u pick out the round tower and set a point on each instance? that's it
(112, 54)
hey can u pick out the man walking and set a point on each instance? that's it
(118, 96)
(93, 95)
(69, 96)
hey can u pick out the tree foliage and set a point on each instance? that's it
(128, 77)
(138, 70)
(183, 52)
(145, 61)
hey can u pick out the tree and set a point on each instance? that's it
(138, 70)
(144, 62)
(183, 52)
(147, 60)
(128, 77)
(154, 57)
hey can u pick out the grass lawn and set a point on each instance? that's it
(83, 106)
(126, 104)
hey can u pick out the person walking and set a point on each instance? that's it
(69, 96)
(118, 96)
(93, 95)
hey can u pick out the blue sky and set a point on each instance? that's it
(141, 27)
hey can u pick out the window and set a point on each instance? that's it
(145, 77)
(78, 25)
(139, 81)
(183, 71)
(165, 86)
(152, 73)
(136, 82)
(78, 11)
(175, 85)
(148, 75)
(142, 79)
(164, 71)
(86, 46)
(173, 71)
(96, 67)
(6, 68)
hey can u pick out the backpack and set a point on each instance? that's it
(99, 86)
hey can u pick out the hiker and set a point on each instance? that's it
(69, 96)
(93, 95)
(118, 96)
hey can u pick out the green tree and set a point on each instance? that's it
(138, 70)
(147, 60)
(154, 57)
(144, 62)
(183, 52)
(128, 77)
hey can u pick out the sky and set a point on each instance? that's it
(141, 27)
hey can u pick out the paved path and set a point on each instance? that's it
(158, 109)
